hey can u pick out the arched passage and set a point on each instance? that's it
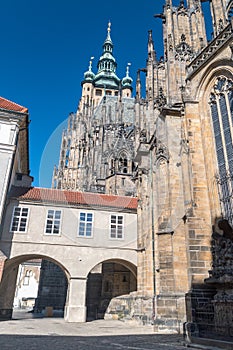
(108, 279)
(9, 281)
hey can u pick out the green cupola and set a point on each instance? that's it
(89, 75)
(126, 82)
(106, 76)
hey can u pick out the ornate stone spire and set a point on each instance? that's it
(220, 12)
(151, 50)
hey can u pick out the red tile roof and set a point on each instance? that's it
(11, 106)
(73, 198)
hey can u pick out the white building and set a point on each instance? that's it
(78, 232)
(13, 146)
(27, 284)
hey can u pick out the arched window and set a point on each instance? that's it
(221, 105)
(229, 10)
(112, 166)
(67, 154)
(123, 164)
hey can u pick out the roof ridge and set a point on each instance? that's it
(80, 192)
(50, 195)
(8, 104)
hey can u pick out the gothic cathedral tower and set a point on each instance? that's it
(98, 147)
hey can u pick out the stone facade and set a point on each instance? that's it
(166, 149)
(178, 161)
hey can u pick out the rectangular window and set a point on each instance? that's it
(53, 222)
(19, 219)
(116, 228)
(98, 92)
(85, 224)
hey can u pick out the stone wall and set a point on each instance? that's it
(131, 307)
(52, 287)
(112, 280)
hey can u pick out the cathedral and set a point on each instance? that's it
(167, 158)
(173, 150)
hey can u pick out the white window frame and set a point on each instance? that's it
(53, 219)
(85, 224)
(20, 216)
(27, 276)
(118, 225)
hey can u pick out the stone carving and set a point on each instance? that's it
(181, 8)
(221, 277)
(161, 99)
(222, 250)
(211, 49)
(143, 136)
(197, 5)
(170, 44)
(161, 63)
(183, 50)
(162, 154)
(220, 25)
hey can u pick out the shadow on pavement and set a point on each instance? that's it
(55, 342)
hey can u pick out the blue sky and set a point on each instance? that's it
(45, 49)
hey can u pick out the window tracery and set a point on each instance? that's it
(221, 105)
(123, 163)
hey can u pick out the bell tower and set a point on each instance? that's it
(97, 148)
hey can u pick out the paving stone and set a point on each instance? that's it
(28, 332)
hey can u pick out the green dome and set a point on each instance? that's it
(106, 76)
(107, 80)
(127, 80)
(89, 75)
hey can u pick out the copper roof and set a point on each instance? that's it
(75, 198)
(11, 106)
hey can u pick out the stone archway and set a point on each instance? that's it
(9, 279)
(108, 279)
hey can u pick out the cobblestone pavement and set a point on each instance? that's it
(28, 333)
